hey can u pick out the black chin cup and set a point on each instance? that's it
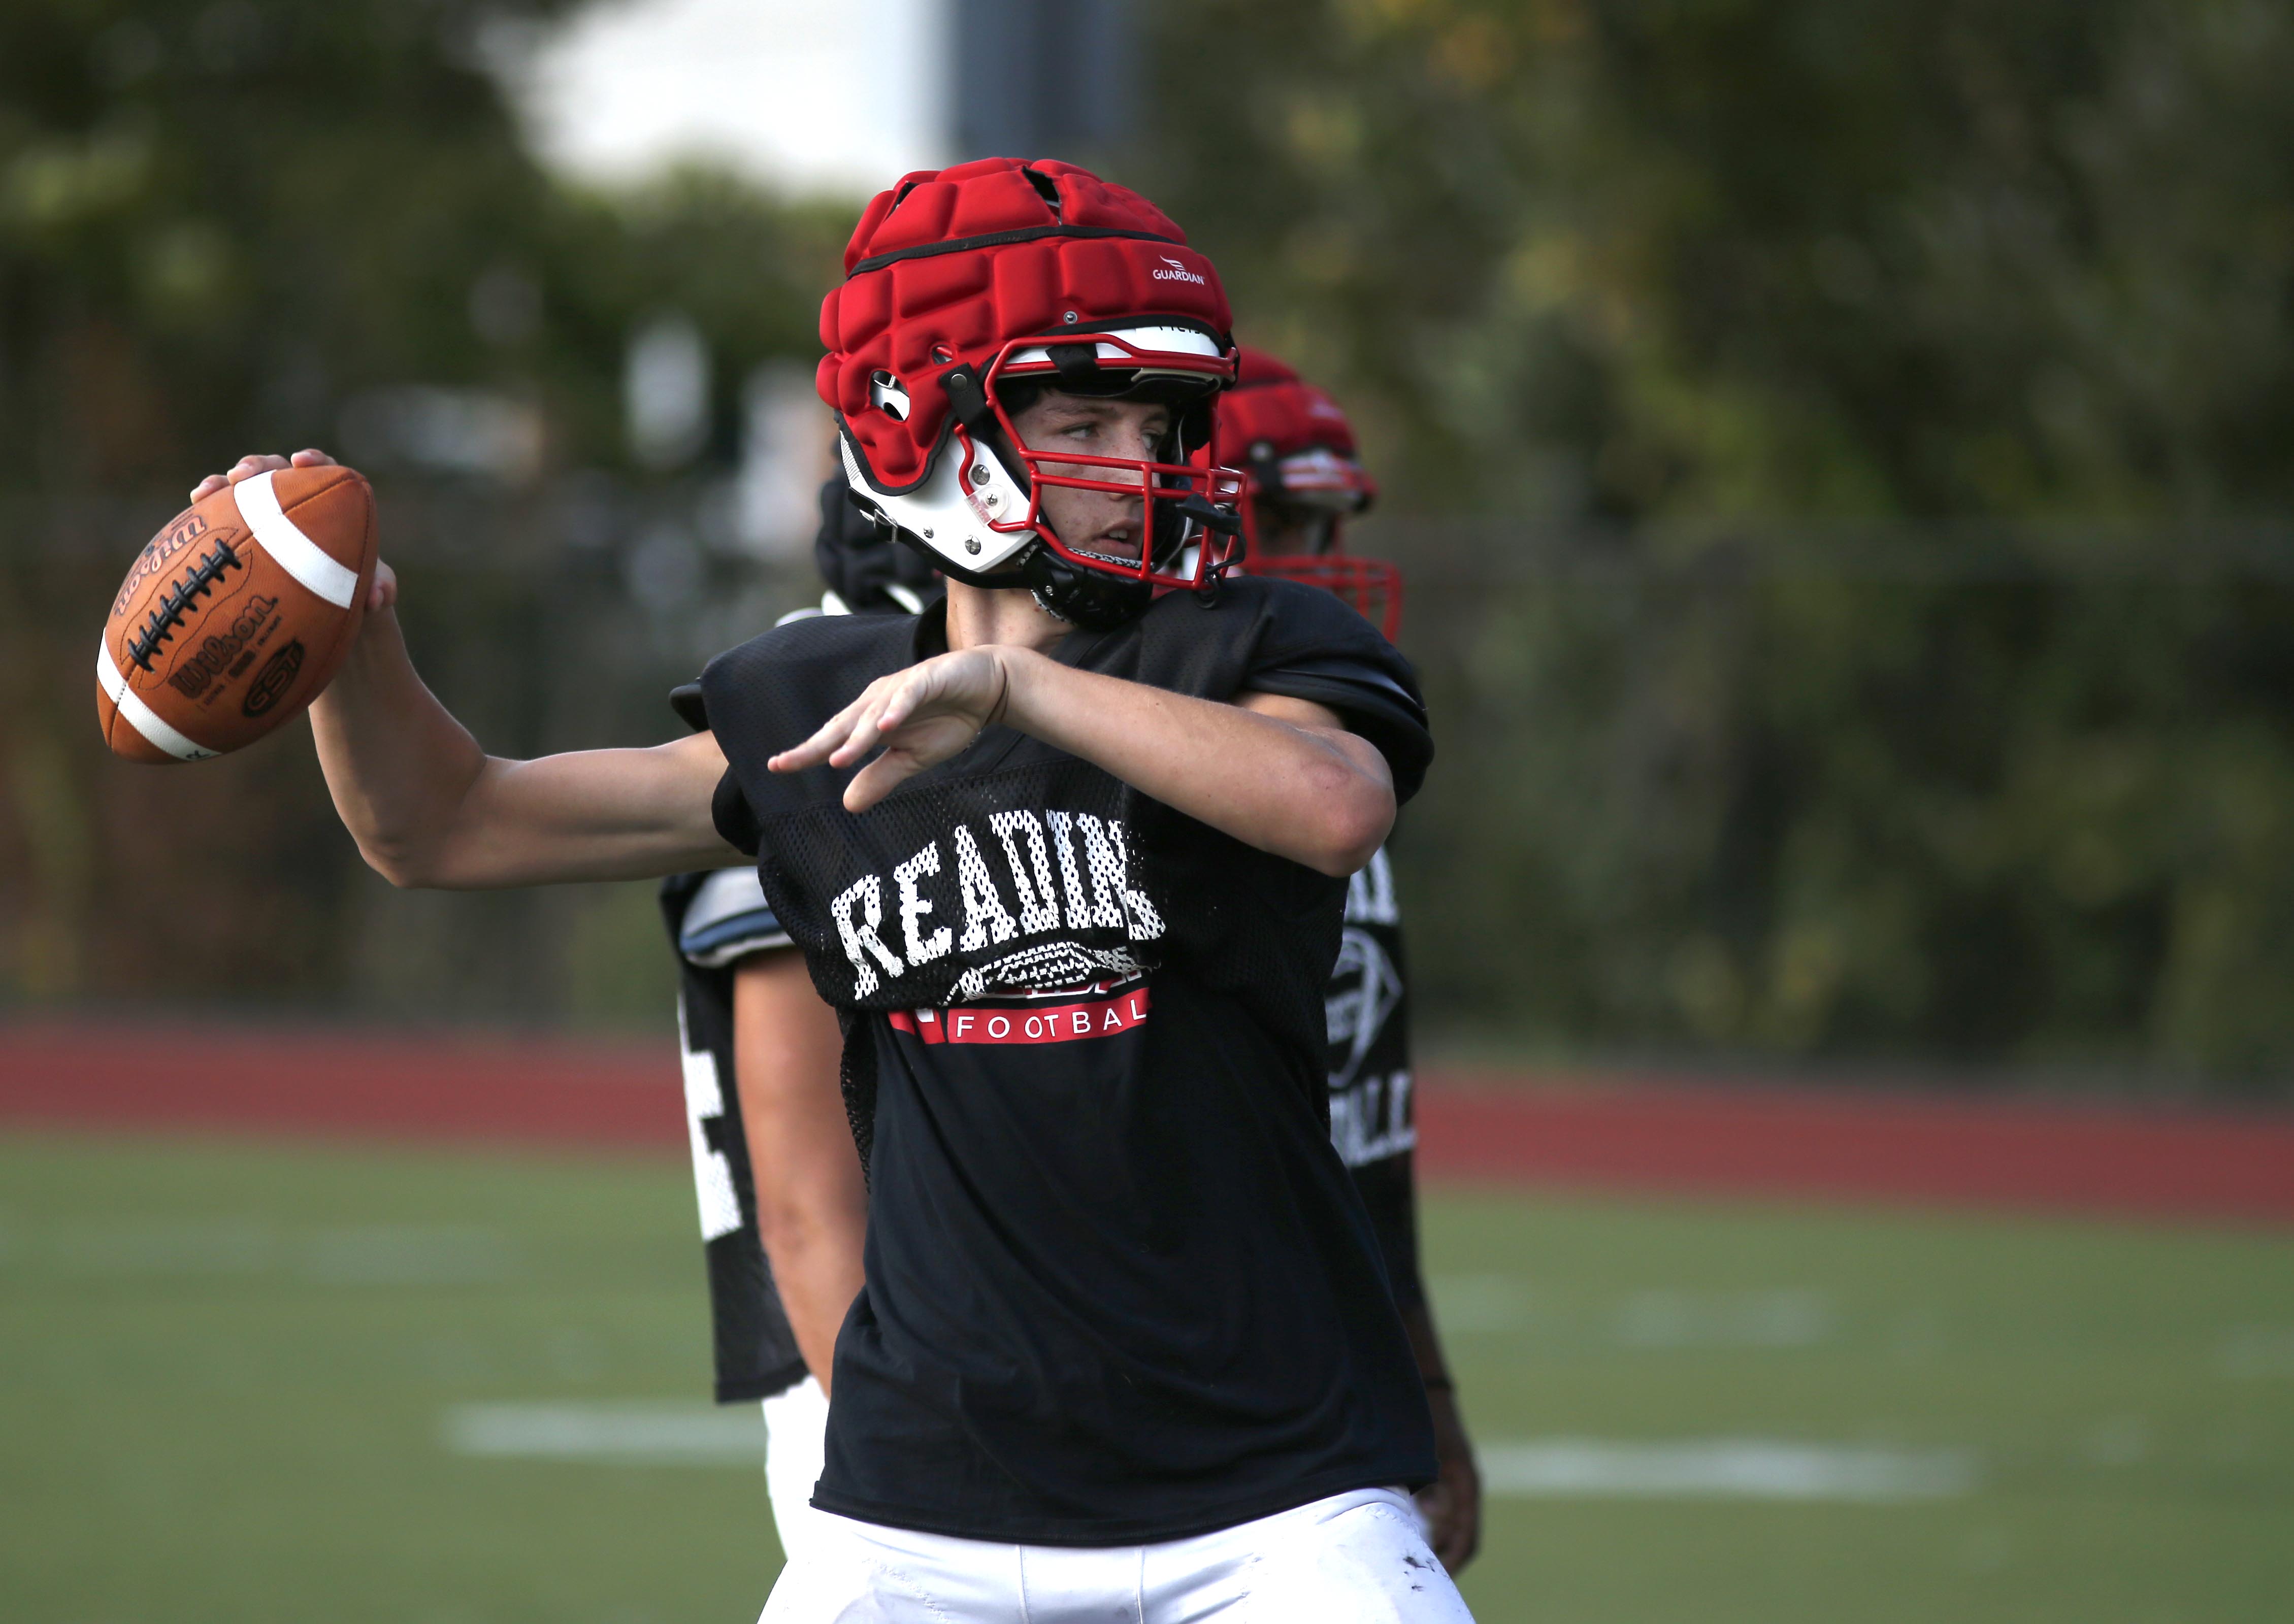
(1085, 597)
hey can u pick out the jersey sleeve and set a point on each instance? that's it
(735, 817)
(1318, 649)
(727, 920)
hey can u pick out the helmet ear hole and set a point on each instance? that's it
(887, 396)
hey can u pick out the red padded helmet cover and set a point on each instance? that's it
(949, 265)
(1273, 407)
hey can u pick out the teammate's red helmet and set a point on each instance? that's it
(961, 282)
(1296, 447)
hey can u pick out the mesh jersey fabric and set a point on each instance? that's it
(1118, 1285)
(756, 1353)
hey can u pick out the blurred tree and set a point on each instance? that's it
(258, 224)
(1690, 277)
(1817, 256)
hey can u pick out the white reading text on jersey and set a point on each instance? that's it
(1063, 871)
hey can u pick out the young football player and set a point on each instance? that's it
(1069, 860)
(1305, 479)
(1297, 450)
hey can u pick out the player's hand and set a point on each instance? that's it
(1453, 1502)
(254, 463)
(384, 593)
(920, 716)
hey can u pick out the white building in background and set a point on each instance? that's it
(836, 96)
(808, 96)
(804, 95)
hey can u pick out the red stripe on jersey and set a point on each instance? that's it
(1058, 1023)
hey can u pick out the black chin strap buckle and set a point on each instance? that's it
(1211, 515)
(969, 399)
(1211, 520)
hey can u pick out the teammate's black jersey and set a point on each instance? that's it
(715, 919)
(1118, 1285)
(1373, 1119)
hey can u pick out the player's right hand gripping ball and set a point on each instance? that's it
(236, 614)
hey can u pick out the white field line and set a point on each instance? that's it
(1722, 1468)
(631, 1434)
(675, 1434)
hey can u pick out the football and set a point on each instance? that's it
(234, 616)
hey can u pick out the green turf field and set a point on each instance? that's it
(245, 1384)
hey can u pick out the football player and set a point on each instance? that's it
(1069, 860)
(778, 1185)
(1305, 479)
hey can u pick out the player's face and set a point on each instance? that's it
(1292, 530)
(1093, 521)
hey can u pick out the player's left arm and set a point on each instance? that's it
(1282, 774)
(812, 1203)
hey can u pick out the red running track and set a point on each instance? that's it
(1732, 1139)
(1653, 1135)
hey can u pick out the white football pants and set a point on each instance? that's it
(1354, 1558)
(796, 1422)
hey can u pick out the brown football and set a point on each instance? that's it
(236, 614)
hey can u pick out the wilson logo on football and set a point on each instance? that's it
(1178, 272)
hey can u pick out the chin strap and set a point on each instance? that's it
(1080, 597)
(1213, 519)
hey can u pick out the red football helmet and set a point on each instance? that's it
(965, 282)
(1297, 449)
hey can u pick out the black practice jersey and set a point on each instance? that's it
(1372, 1120)
(714, 921)
(1118, 1285)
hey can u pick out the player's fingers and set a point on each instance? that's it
(1457, 1529)
(384, 593)
(902, 700)
(825, 739)
(246, 468)
(889, 703)
(879, 779)
(254, 463)
(313, 458)
(862, 736)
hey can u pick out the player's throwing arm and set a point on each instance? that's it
(429, 807)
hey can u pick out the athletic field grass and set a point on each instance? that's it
(255, 1382)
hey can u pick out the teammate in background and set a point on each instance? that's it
(1070, 862)
(783, 1209)
(1305, 480)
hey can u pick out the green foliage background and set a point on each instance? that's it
(1877, 639)
(1838, 449)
